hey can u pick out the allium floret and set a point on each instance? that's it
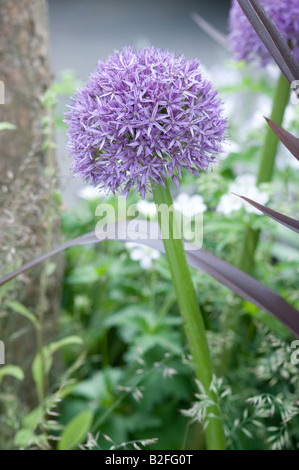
(245, 42)
(144, 116)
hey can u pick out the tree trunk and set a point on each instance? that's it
(28, 176)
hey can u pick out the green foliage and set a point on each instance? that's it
(76, 430)
(43, 361)
(11, 371)
(24, 311)
(7, 126)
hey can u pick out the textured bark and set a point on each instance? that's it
(24, 70)
(28, 223)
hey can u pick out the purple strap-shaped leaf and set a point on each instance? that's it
(289, 140)
(272, 38)
(246, 287)
(148, 234)
(289, 222)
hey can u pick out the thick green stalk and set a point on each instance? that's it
(266, 167)
(280, 101)
(265, 173)
(191, 315)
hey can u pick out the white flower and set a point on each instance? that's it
(142, 253)
(229, 203)
(146, 208)
(90, 193)
(229, 147)
(263, 107)
(244, 185)
(189, 205)
(286, 160)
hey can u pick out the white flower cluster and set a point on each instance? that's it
(146, 208)
(244, 185)
(144, 254)
(91, 193)
(187, 205)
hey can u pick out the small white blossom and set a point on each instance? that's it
(286, 160)
(263, 108)
(229, 147)
(244, 185)
(189, 205)
(146, 208)
(90, 193)
(144, 254)
(229, 203)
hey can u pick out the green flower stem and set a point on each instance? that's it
(266, 167)
(280, 101)
(250, 242)
(191, 315)
(265, 173)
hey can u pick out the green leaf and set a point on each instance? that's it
(65, 342)
(50, 269)
(25, 438)
(67, 83)
(42, 363)
(272, 323)
(76, 430)
(49, 99)
(13, 371)
(38, 415)
(83, 275)
(32, 419)
(101, 387)
(22, 310)
(7, 126)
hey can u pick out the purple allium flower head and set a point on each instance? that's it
(143, 116)
(245, 42)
